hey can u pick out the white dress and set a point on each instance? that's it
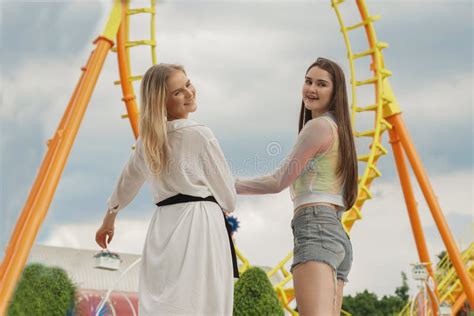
(186, 266)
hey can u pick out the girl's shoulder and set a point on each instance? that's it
(197, 132)
(203, 133)
(321, 127)
(320, 123)
(327, 120)
(330, 116)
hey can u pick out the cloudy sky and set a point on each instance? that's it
(247, 60)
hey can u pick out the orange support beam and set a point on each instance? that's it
(53, 164)
(433, 204)
(410, 200)
(52, 145)
(412, 209)
(458, 304)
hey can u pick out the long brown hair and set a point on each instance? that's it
(339, 106)
(153, 134)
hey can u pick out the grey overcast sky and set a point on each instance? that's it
(247, 60)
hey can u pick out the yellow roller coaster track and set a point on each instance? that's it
(386, 117)
(449, 285)
(123, 53)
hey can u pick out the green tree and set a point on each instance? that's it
(402, 291)
(367, 303)
(254, 295)
(364, 303)
(390, 305)
(441, 255)
(43, 291)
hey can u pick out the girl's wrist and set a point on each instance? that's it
(110, 216)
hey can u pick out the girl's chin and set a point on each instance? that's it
(192, 109)
(310, 107)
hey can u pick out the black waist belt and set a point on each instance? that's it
(182, 198)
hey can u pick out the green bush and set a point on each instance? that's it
(43, 291)
(254, 295)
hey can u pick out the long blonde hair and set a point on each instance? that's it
(339, 106)
(153, 97)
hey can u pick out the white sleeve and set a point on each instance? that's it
(217, 175)
(316, 137)
(130, 181)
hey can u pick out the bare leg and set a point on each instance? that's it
(314, 284)
(339, 295)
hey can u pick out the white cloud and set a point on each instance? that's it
(31, 89)
(129, 236)
(446, 99)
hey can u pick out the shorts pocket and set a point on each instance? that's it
(330, 237)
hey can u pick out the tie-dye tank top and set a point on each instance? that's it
(318, 182)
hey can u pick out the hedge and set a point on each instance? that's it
(43, 290)
(254, 295)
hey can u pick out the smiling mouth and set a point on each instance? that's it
(189, 102)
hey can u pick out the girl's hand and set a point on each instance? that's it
(105, 233)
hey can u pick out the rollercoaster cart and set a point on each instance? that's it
(386, 117)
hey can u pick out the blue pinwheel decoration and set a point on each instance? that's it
(233, 222)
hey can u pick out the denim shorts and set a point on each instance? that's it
(319, 236)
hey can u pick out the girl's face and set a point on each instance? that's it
(317, 90)
(181, 97)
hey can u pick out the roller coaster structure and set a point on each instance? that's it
(452, 284)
